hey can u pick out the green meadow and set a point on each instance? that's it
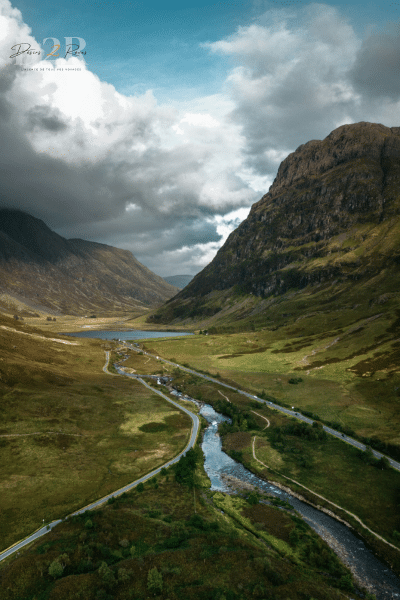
(331, 386)
(70, 433)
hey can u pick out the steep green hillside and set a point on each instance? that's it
(325, 237)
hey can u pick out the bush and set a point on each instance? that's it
(253, 498)
(89, 524)
(140, 487)
(154, 581)
(345, 583)
(383, 463)
(294, 537)
(107, 574)
(55, 569)
(185, 468)
(123, 575)
(197, 521)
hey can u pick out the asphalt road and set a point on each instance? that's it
(48, 527)
(291, 413)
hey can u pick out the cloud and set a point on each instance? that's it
(170, 182)
(97, 164)
(290, 81)
(375, 72)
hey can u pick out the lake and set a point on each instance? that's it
(134, 334)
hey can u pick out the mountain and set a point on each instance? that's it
(41, 268)
(179, 281)
(328, 228)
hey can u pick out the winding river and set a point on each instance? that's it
(368, 570)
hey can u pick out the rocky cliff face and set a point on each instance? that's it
(329, 214)
(71, 276)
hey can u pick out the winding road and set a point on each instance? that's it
(193, 436)
(194, 432)
(287, 411)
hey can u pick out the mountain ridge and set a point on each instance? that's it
(72, 276)
(331, 213)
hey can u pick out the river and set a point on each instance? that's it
(367, 569)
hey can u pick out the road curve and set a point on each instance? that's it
(48, 527)
(345, 438)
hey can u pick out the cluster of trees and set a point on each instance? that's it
(369, 458)
(314, 432)
(241, 420)
(304, 430)
(186, 466)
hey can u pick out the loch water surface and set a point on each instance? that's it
(134, 334)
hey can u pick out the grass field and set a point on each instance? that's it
(169, 541)
(330, 468)
(263, 360)
(70, 433)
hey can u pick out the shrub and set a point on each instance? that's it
(123, 575)
(197, 521)
(345, 583)
(253, 498)
(383, 463)
(89, 524)
(55, 569)
(140, 487)
(106, 574)
(154, 581)
(294, 537)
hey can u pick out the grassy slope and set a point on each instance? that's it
(252, 551)
(337, 366)
(91, 430)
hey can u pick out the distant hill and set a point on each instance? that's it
(71, 276)
(179, 281)
(324, 238)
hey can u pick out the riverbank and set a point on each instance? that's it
(350, 547)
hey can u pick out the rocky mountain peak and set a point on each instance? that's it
(371, 141)
(327, 216)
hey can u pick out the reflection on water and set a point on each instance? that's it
(371, 573)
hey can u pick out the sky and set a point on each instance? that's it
(155, 126)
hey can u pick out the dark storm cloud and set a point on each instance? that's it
(42, 117)
(376, 71)
(163, 181)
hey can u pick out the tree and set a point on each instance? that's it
(123, 575)
(106, 574)
(383, 463)
(55, 569)
(253, 497)
(154, 581)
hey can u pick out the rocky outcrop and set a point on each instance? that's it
(315, 222)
